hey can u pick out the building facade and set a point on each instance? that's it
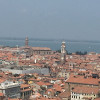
(26, 91)
(10, 89)
(84, 93)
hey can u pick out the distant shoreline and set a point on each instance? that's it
(45, 39)
(54, 44)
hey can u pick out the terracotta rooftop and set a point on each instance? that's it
(82, 80)
(43, 98)
(97, 99)
(14, 99)
(1, 94)
(24, 85)
(41, 48)
(43, 83)
(26, 90)
(64, 94)
(84, 89)
(2, 80)
(57, 87)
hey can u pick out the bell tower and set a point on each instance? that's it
(63, 52)
(26, 41)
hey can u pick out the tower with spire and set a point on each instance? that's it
(63, 52)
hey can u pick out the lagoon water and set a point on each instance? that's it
(71, 45)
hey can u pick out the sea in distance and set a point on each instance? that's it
(55, 44)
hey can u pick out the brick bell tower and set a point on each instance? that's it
(63, 52)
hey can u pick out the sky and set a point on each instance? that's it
(50, 19)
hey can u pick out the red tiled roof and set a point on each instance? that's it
(40, 83)
(97, 99)
(24, 85)
(43, 98)
(57, 87)
(1, 94)
(29, 89)
(64, 94)
(43, 83)
(82, 80)
(41, 48)
(84, 89)
(14, 99)
(2, 80)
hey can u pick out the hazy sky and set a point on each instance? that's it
(61, 19)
